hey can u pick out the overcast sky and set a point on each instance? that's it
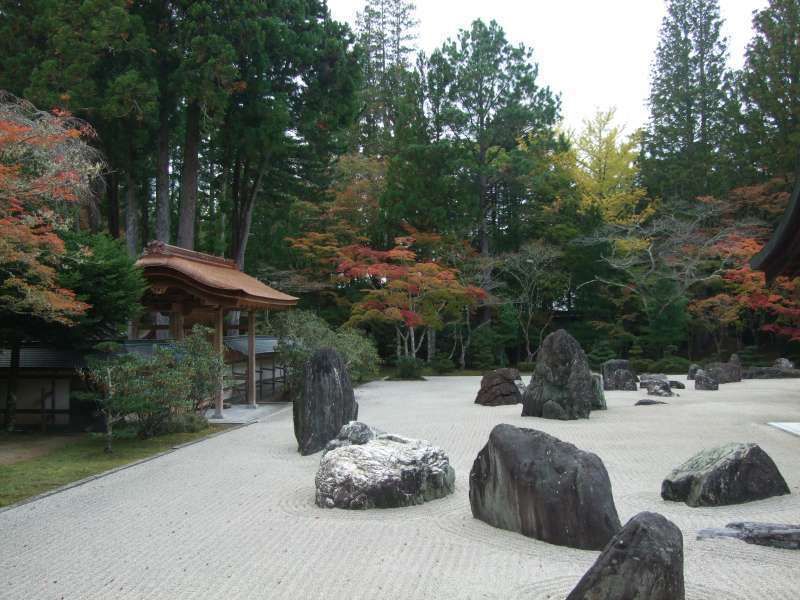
(595, 53)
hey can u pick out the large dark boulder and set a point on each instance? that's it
(775, 535)
(729, 372)
(386, 471)
(599, 397)
(770, 373)
(527, 481)
(644, 561)
(730, 474)
(561, 386)
(326, 403)
(618, 375)
(500, 387)
(677, 385)
(704, 381)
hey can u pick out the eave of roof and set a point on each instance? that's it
(781, 255)
(210, 277)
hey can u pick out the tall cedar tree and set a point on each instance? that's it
(771, 89)
(688, 123)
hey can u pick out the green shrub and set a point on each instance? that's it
(441, 364)
(601, 352)
(173, 380)
(301, 333)
(408, 367)
(642, 365)
(526, 367)
(185, 423)
(672, 364)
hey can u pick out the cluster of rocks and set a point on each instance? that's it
(537, 485)
(656, 384)
(500, 387)
(782, 368)
(532, 483)
(561, 386)
(712, 375)
(362, 467)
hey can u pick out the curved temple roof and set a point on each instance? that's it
(781, 255)
(213, 279)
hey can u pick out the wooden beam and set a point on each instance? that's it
(251, 359)
(219, 336)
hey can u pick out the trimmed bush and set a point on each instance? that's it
(408, 367)
(441, 364)
(671, 364)
(185, 423)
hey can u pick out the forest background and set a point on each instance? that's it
(433, 201)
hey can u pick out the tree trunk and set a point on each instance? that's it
(189, 176)
(244, 215)
(11, 390)
(398, 342)
(112, 196)
(109, 434)
(162, 176)
(431, 344)
(131, 215)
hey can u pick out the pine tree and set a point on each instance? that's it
(688, 104)
(770, 85)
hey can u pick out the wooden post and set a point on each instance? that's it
(251, 359)
(219, 334)
(176, 321)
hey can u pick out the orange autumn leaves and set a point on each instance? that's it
(46, 168)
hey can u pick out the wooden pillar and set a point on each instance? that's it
(219, 334)
(251, 359)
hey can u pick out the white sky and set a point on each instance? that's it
(595, 53)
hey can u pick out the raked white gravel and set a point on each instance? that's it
(234, 517)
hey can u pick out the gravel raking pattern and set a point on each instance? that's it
(234, 517)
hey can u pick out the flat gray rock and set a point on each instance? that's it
(644, 561)
(775, 535)
(388, 471)
(730, 474)
(648, 402)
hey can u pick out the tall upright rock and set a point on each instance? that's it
(326, 404)
(644, 561)
(530, 482)
(561, 386)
